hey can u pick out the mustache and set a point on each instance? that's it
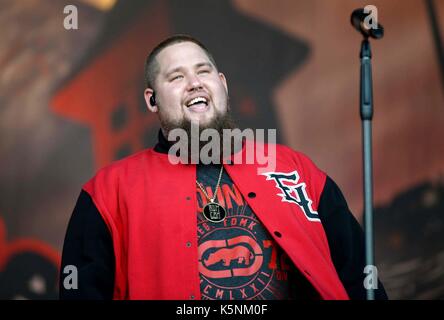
(221, 120)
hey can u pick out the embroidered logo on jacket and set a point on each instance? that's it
(293, 192)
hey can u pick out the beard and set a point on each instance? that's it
(221, 121)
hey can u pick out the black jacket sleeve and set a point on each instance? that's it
(346, 242)
(89, 248)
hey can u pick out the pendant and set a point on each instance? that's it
(214, 212)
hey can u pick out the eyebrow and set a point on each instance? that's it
(197, 65)
(204, 64)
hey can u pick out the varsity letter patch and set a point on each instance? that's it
(293, 192)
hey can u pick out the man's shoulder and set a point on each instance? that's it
(282, 151)
(124, 165)
(287, 158)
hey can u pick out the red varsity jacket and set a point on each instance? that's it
(153, 225)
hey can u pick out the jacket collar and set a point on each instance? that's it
(162, 145)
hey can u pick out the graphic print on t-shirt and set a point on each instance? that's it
(238, 258)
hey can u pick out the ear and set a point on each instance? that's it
(224, 81)
(147, 94)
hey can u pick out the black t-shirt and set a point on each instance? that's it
(238, 258)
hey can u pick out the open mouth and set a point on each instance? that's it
(198, 104)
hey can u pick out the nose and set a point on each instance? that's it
(194, 83)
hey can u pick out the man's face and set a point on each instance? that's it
(188, 87)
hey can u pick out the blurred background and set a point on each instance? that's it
(71, 101)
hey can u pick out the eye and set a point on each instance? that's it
(176, 77)
(203, 71)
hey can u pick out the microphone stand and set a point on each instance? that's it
(366, 112)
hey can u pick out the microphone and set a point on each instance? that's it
(357, 20)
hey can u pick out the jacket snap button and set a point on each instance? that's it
(251, 195)
(277, 234)
(192, 297)
(188, 244)
(188, 198)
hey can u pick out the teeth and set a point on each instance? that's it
(197, 100)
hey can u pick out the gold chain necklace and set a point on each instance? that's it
(213, 211)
